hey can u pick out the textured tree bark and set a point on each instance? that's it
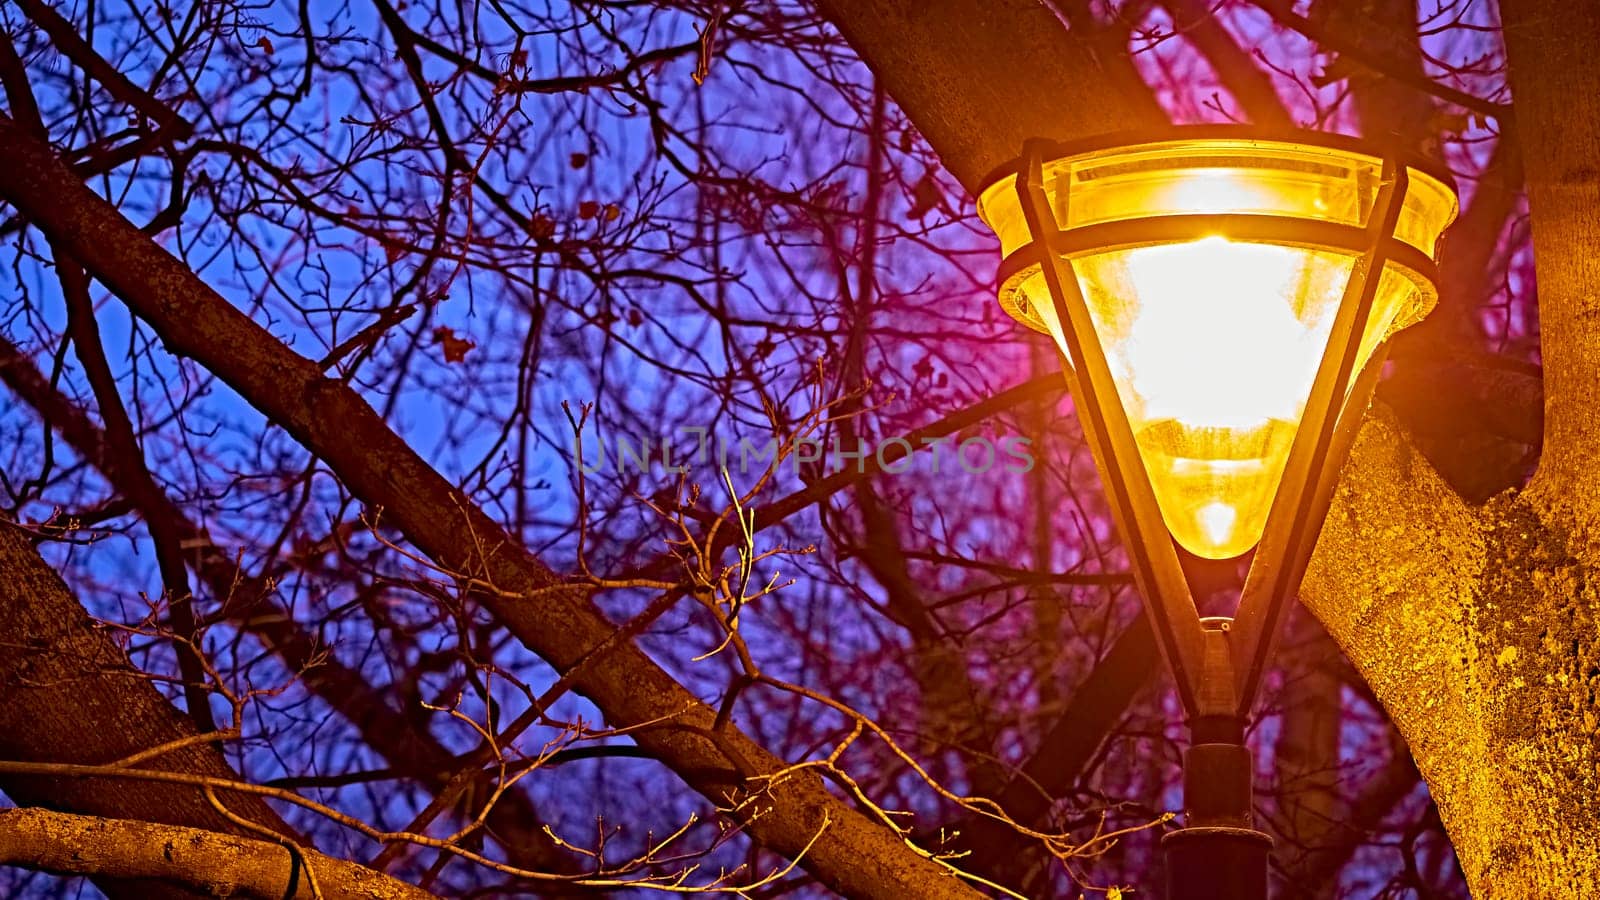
(978, 79)
(1533, 827)
(1500, 715)
(71, 696)
(792, 813)
(209, 863)
(1552, 49)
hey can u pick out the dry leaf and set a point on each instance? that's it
(925, 195)
(455, 348)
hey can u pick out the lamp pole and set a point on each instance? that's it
(1218, 854)
(1218, 663)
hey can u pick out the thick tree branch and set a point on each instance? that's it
(1395, 580)
(211, 863)
(978, 79)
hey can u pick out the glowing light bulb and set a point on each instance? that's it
(1217, 519)
(1215, 342)
(1214, 345)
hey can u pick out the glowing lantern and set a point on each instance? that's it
(1212, 267)
(1221, 299)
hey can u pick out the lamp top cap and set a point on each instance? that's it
(1243, 137)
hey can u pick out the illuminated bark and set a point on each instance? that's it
(212, 864)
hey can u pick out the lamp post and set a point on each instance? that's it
(1221, 298)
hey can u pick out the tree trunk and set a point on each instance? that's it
(1530, 825)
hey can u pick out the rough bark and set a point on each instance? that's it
(1552, 49)
(212, 864)
(848, 852)
(978, 79)
(1539, 601)
(1498, 696)
(1476, 630)
(71, 696)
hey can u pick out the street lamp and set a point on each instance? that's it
(1221, 298)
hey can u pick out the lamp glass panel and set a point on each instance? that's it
(1213, 345)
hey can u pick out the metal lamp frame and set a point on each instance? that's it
(1218, 663)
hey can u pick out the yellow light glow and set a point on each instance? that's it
(1214, 343)
(1230, 302)
(1214, 367)
(1216, 520)
(1214, 189)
